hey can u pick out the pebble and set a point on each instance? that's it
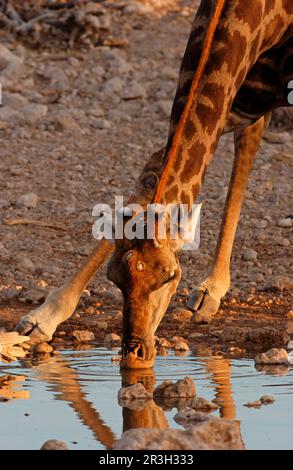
(164, 106)
(133, 392)
(43, 348)
(267, 400)
(66, 122)
(181, 346)
(183, 388)
(112, 339)
(253, 404)
(249, 255)
(285, 223)
(102, 325)
(83, 336)
(201, 404)
(290, 345)
(29, 200)
(25, 265)
(281, 283)
(4, 204)
(272, 356)
(35, 295)
(112, 86)
(53, 444)
(133, 91)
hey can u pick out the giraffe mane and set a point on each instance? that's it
(218, 9)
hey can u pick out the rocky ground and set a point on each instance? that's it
(76, 126)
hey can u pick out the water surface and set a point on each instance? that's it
(73, 397)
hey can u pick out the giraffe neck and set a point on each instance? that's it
(245, 31)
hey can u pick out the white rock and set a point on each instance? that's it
(53, 444)
(10, 67)
(249, 255)
(272, 356)
(33, 113)
(25, 265)
(165, 106)
(290, 345)
(133, 91)
(29, 200)
(133, 392)
(210, 434)
(83, 336)
(286, 222)
(113, 86)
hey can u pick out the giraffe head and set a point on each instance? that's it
(147, 271)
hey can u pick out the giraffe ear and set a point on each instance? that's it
(188, 230)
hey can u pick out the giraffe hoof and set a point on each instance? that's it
(203, 305)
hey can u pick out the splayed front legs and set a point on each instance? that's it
(60, 304)
(205, 300)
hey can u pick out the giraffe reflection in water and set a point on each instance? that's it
(65, 383)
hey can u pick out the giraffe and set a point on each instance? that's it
(242, 79)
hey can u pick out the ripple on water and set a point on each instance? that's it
(73, 397)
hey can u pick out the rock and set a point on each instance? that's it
(290, 358)
(188, 417)
(99, 123)
(181, 346)
(33, 113)
(250, 255)
(4, 204)
(29, 200)
(133, 392)
(102, 325)
(164, 343)
(285, 223)
(133, 91)
(10, 67)
(253, 404)
(66, 122)
(281, 241)
(25, 265)
(272, 356)
(281, 283)
(180, 314)
(43, 348)
(201, 404)
(83, 336)
(164, 106)
(210, 434)
(290, 345)
(112, 340)
(113, 86)
(36, 295)
(183, 388)
(53, 444)
(267, 400)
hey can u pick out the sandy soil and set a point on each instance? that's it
(105, 110)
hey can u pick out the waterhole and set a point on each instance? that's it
(73, 397)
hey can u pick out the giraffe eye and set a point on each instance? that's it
(140, 266)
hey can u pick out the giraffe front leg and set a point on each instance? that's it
(205, 300)
(41, 323)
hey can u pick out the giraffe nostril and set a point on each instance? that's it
(135, 347)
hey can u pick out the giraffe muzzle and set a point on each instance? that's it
(137, 354)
